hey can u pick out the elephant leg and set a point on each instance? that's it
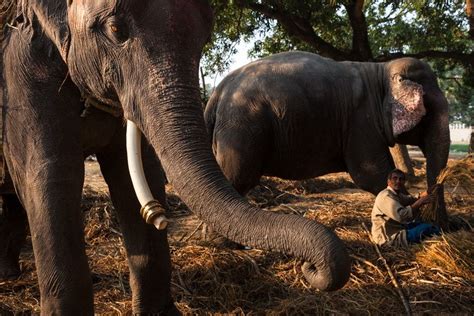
(49, 182)
(45, 160)
(240, 155)
(13, 231)
(147, 248)
(370, 173)
(368, 160)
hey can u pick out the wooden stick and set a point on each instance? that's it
(192, 234)
(395, 283)
(367, 262)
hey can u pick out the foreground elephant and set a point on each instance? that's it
(138, 59)
(297, 115)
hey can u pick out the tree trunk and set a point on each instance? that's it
(204, 96)
(471, 143)
(402, 159)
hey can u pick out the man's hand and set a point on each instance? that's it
(425, 198)
(423, 194)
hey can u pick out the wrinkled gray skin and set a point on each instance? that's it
(142, 56)
(297, 115)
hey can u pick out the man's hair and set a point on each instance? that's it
(395, 171)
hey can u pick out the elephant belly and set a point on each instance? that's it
(299, 165)
(305, 146)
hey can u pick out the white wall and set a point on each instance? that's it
(460, 133)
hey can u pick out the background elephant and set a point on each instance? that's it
(297, 115)
(139, 59)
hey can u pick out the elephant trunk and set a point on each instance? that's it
(174, 125)
(435, 145)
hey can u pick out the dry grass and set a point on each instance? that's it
(210, 279)
(459, 173)
(450, 254)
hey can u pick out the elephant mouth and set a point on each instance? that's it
(108, 106)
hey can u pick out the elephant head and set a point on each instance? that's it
(143, 57)
(419, 114)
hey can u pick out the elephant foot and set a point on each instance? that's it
(9, 271)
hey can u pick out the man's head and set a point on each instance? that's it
(396, 179)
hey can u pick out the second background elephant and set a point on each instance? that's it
(297, 115)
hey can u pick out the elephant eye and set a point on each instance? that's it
(117, 30)
(398, 77)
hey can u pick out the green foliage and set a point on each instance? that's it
(392, 27)
(457, 84)
(231, 25)
(414, 26)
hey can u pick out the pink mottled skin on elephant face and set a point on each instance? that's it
(407, 106)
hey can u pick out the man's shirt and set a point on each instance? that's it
(390, 213)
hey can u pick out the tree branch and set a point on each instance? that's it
(297, 27)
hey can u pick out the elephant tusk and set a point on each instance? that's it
(151, 209)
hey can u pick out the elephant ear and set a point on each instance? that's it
(406, 102)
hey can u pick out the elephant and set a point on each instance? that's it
(134, 60)
(297, 115)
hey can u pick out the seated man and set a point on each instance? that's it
(394, 214)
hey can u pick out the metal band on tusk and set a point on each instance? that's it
(152, 211)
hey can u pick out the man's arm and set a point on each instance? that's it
(406, 199)
(390, 206)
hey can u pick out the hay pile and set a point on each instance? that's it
(209, 279)
(450, 254)
(458, 174)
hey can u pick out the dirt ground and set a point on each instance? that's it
(211, 279)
